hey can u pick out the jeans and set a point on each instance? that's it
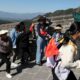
(15, 54)
(41, 42)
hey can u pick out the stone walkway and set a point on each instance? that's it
(31, 72)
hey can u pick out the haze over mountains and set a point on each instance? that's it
(17, 16)
(10, 17)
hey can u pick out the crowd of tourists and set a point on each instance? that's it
(59, 49)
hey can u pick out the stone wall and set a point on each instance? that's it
(64, 20)
(8, 26)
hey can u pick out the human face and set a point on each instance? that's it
(4, 36)
(76, 36)
(58, 30)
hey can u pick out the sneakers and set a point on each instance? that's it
(14, 65)
(8, 75)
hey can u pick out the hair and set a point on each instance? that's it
(74, 28)
(42, 19)
(21, 27)
(21, 23)
(17, 27)
(59, 25)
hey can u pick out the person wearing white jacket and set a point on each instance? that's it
(62, 70)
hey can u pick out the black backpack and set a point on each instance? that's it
(22, 40)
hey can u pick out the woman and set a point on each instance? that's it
(41, 39)
(5, 50)
(62, 70)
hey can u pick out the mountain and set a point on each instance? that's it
(62, 12)
(59, 13)
(17, 16)
(5, 21)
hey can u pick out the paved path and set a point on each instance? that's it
(31, 72)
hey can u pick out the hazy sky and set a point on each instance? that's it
(32, 6)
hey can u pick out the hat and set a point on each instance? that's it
(57, 27)
(3, 32)
(42, 18)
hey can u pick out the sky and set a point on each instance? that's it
(33, 6)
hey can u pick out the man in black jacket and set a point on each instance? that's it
(22, 43)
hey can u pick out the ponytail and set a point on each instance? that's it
(66, 37)
(74, 28)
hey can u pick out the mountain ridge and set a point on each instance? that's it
(17, 16)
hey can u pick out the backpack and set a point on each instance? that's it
(22, 40)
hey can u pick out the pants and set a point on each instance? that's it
(5, 59)
(25, 54)
(54, 75)
(71, 75)
(41, 42)
(15, 54)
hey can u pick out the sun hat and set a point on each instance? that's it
(57, 27)
(3, 32)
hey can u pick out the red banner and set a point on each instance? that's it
(51, 49)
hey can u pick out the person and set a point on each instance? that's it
(65, 61)
(14, 33)
(22, 43)
(57, 35)
(41, 39)
(5, 51)
(32, 29)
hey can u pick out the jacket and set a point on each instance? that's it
(13, 35)
(67, 53)
(22, 40)
(6, 46)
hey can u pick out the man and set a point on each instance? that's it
(22, 44)
(5, 50)
(14, 33)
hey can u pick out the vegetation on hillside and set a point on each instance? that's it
(62, 12)
(27, 23)
(5, 21)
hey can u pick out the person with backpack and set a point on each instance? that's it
(14, 33)
(22, 43)
(5, 51)
(41, 38)
(57, 33)
(56, 39)
(66, 52)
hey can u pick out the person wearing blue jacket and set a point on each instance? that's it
(14, 33)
